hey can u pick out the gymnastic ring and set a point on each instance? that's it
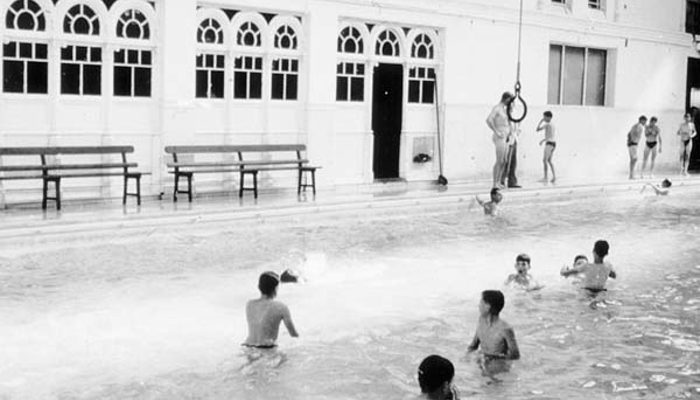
(509, 108)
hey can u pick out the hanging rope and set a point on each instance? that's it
(517, 96)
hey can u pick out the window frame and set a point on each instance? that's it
(363, 46)
(584, 85)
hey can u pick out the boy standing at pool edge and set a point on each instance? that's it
(550, 143)
(265, 314)
(596, 274)
(493, 335)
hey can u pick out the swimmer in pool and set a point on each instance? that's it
(491, 207)
(435, 376)
(493, 336)
(522, 276)
(594, 275)
(661, 189)
(265, 314)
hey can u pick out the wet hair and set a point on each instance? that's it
(665, 183)
(580, 257)
(547, 114)
(433, 372)
(523, 257)
(506, 96)
(495, 192)
(495, 299)
(653, 119)
(268, 283)
(642, 118)
(601, 248)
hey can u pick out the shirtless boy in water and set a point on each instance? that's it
(596, 274)
(493, 335)
(491, 207)
(265, 314)
(522, 277)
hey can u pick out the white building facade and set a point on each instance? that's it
(361, 82)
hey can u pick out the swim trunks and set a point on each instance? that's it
(596, 290)
(630, 144)
(686, 143)
(651, 145)
(259, 346)
(553, 144)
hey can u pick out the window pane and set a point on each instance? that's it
(202, 84)
(70, 79)
(13, 79)
(37, 77)
(595, 78)
(277, 86)
(428, 92)
(92, 79)
(217, 84)
(554, 75)
(573, 75)
(239, 85)
(341, 88)
(255, 85)
(357, 89)
(413, 91)
(122, 81)
(142, 82)
(292, 87)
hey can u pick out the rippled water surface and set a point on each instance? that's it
(160, 314)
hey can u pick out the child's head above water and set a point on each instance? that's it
(580, 259)
(496, 195)
(434, 373)
(522, 263)
(268, 283)
(601, 248)
(492, 302)
(665, 183)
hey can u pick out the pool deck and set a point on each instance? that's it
(27, 224)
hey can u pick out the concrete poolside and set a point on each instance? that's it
(27, 223)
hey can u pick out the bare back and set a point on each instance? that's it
(264, 317)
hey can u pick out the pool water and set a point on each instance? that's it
(159, 314)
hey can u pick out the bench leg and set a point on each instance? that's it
(126, 185)
(241, 181)
(299, 182)
(313, 181)
(177, 180)
(189, 188)
(138, 190)
(255, 184)
(58, 193)
(45, 193)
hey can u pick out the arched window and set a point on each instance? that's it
(133, 24)
(422, 47)
(285, 70)
(25, 60)
(350, 72)
(387, 44)
(81, 65)
(350, 41)
(248, 68)
(211, 63)
(248, 35)
(25, 15)
(133, 65)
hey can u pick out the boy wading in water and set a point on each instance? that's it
(491, 207)
(594, 276)
(522, 277)
(550, 143)
(493, 335)
(265, 314)
(435, 375)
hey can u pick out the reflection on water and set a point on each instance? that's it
(160, 315)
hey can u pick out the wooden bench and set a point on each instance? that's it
(234, 158)
(49, 171)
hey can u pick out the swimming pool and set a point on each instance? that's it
(160, 315)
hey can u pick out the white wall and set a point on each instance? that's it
(476, 62)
